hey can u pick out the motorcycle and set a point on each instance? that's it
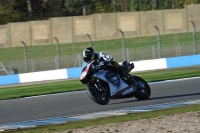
(103, 84)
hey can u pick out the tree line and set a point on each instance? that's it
(26, 10)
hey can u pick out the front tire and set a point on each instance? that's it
(101, 98)
(143, 90)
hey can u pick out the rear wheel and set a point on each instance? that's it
(98, 92)
(143, 90)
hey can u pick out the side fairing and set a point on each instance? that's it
(113, 79)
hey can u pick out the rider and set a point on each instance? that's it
(90, 55)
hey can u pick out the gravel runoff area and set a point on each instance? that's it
(177, 123)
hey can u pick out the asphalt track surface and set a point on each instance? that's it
(69, 104)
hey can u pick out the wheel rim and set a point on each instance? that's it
(142, 87)
(100, 94)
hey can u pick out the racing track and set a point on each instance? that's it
(74, 103)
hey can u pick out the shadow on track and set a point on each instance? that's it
(173, 96)
(163, 97)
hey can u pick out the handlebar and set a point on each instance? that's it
(101, 65)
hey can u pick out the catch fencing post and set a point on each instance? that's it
(58, 52)
(194, 37)
(33, 65)
(127, 54)
(90, 40)
(159, 42)
(123, 46)
(153, 52)
(25, 56)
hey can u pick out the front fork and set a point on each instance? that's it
(98, 85)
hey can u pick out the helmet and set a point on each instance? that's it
(88, 54)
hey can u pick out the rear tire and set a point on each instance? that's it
(101, 98)
(143, 91)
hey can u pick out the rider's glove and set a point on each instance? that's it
(100, 65)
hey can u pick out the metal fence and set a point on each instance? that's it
(75, 60)
(151, 52)
(58, 56)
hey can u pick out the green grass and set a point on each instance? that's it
(75, 85)
(39, 89)
(42, 51)
(113, 119)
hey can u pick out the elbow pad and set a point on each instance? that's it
(106, 57)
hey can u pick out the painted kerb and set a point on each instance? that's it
(144, 65)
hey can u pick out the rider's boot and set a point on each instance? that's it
(124, 71)
(128, 78)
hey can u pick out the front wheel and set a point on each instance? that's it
(97, 94)
(143, 90)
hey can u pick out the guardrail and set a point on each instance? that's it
(69, 73)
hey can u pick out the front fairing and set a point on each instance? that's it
(116, 84)
(87, 70)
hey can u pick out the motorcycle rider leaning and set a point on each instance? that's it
(103, 59)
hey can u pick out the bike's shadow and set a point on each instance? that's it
(156, 98)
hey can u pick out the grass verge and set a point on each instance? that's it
(106, 120)
(76, 85)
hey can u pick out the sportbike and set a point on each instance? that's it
(103, 84)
